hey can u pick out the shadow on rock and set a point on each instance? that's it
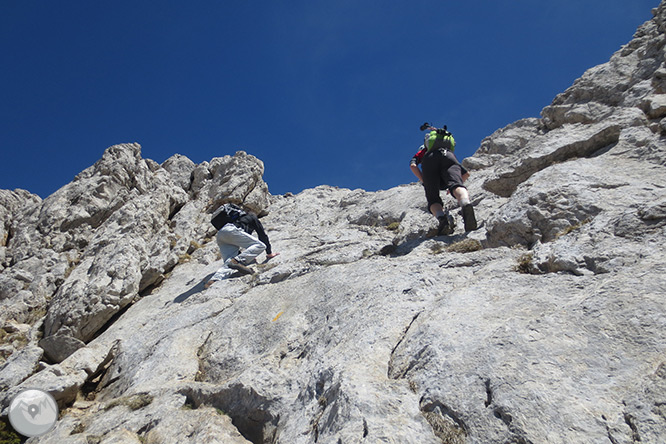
(198, 288)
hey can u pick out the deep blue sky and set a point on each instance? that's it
(323, 92)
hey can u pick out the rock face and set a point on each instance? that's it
(546, 325)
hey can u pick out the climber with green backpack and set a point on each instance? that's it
(441, 170)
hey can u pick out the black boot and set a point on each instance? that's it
(447, 225)
(468, 217)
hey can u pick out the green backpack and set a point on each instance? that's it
(439, 138)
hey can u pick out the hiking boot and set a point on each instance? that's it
(236, 265)
(447, 225)
(468, 217)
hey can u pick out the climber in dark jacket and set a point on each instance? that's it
(441, 170)
(237, 235)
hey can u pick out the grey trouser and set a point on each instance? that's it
(441, 170)
(231, 240)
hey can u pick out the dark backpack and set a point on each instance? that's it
(225, 214)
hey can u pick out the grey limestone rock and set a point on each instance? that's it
(96, 245)
(545, 325)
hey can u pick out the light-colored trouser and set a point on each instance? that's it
(231, 239)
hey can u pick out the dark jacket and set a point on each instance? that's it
(250, 223)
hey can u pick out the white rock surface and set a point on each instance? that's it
(546, 325)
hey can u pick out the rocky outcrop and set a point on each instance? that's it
(91, 249)
(548, 324)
